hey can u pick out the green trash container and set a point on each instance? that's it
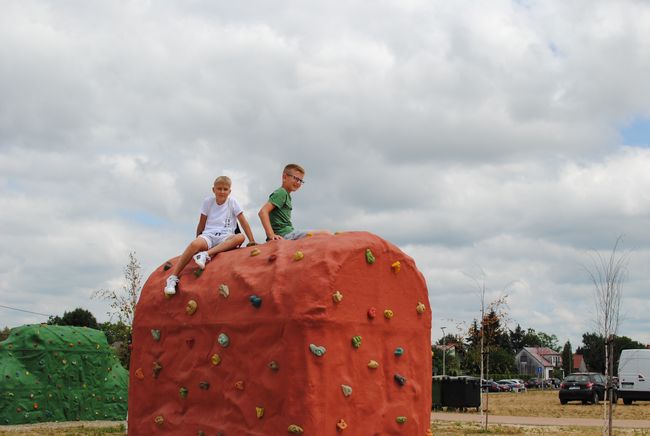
(436, 392)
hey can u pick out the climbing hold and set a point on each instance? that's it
(159, 420)
(223, 340)
(373, 364)
(191, 307)
(215, 359)
(318, 351)
(239, 385)
(205, 385)
(398, 351)
(420, 308)
(200, 433)
(356, 341)
(272, 258)
(347, 390)
(183, 392)
(224, 291)
(370, 258)
(273, 365)
(35, 406)
(255, 251)
(255, 300)
(428, 432)
(295, 429)
(388, 314)
(167, 266)
(372, 312)
(400, 379)
(341, 425)
(298, 256)
(155, 334)
(259, 412)
(139, 373)
(401, 419)
(337, 296)
(198, 273)
(397, 266)
(157, 367)
(189, 342)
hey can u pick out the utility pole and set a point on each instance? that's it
(444, 349)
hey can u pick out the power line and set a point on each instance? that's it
(26, 311)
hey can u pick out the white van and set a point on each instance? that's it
(634, 375)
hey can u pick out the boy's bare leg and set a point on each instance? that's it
(199, 244)
(233, 242)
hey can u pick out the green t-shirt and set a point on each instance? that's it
(280, 216)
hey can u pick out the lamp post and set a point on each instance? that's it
(444, 349)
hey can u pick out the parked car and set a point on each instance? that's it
(515, 386)
(534, 383)
(553, 382)
(505, 386)
(490, 386)
(588, 387)
(634, 373)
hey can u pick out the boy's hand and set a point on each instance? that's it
(275, 238)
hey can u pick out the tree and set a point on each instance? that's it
(594, 350)
(78, 317)
(607, 275)
(567, 358)
(123, 301)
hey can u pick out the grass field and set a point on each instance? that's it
(532, 403)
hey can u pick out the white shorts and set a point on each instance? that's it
(216, 239)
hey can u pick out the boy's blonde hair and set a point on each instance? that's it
(294, 167)
(223, 179)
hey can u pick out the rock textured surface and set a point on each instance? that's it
(289, 337)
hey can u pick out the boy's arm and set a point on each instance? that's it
(266, 221)
(201, 226)
(247, 228)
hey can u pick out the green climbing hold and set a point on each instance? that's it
(370, 258)
(401, 419)
(356, 341)
(183, 392)
(155, 334)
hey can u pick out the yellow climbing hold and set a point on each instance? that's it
(388, 314)
(337, 296)
(259, 411)
(295, 429)
(159, 420)
(373, 364)
(224, 290)
(341, 425)
(396, 266)
(215, 359)
(420, 308)
(255, 251)
(298, 256)
(191, 307)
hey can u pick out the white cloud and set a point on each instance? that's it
(475, 136)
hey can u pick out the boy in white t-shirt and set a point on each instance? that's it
(215, 232)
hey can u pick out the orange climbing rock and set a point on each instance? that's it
(293, 354)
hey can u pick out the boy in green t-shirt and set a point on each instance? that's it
(276, 213)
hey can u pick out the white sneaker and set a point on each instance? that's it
(170, 287)
(201, 258)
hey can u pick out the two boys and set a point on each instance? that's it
(218, 220)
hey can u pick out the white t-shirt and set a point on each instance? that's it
(222, 218)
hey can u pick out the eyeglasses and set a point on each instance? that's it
(297, 179)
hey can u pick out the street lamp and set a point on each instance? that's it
(444, 349)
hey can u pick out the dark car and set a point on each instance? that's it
(490, 386)
(533, 383)
(588, 387)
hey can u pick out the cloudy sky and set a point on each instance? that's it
(501, 141)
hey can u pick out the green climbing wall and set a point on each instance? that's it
(60, 373)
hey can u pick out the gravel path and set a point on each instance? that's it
(538, 420)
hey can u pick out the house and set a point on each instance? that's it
(579, 364)
(538, 361)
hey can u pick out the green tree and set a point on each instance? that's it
(123, 301)
(517, 338)
(78, 317)
(593, 350)
(119, 336)
(567, 358)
